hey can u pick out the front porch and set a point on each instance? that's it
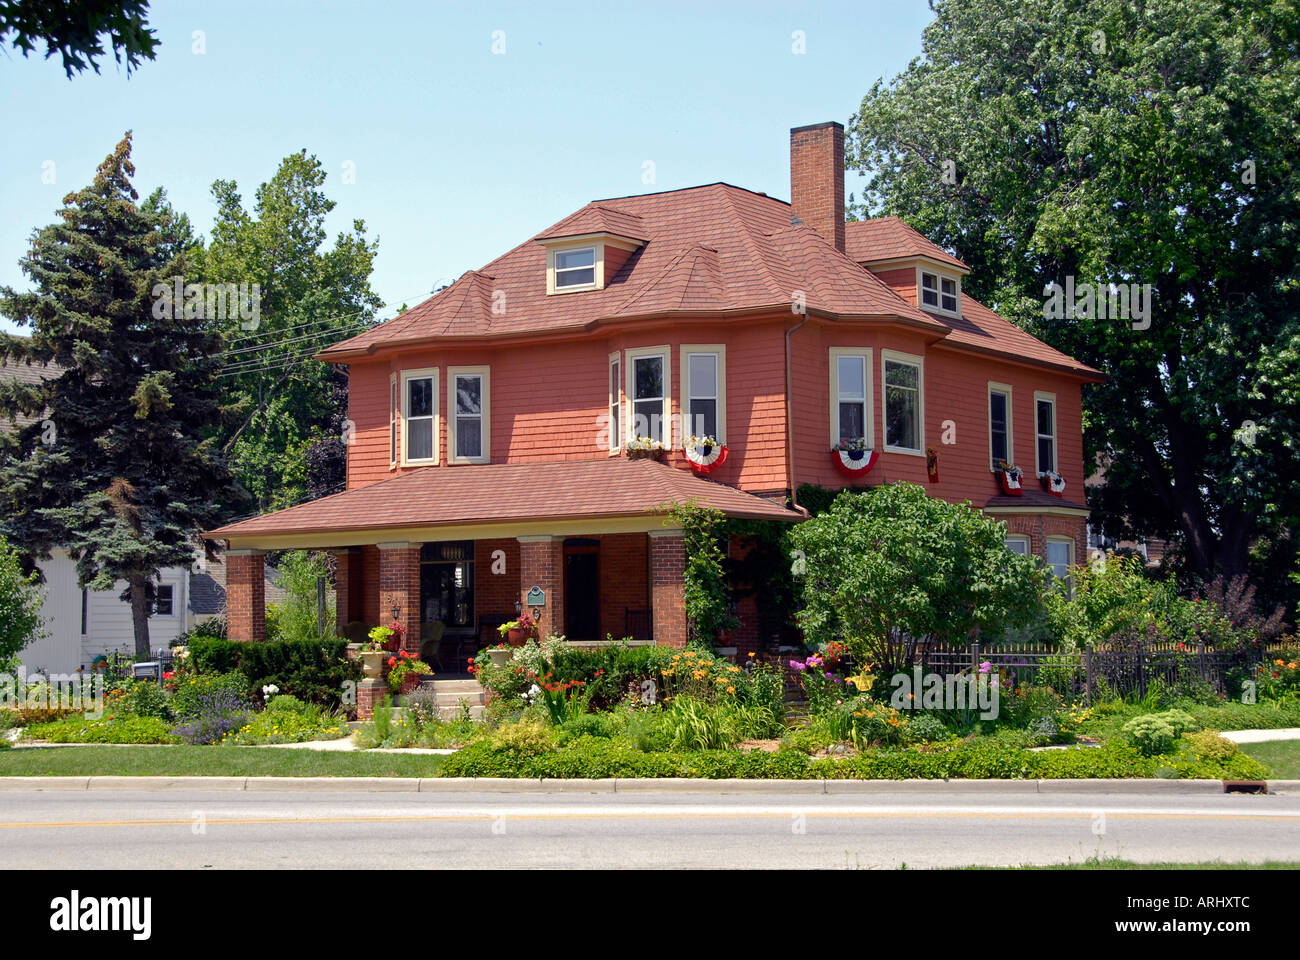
(449, 554)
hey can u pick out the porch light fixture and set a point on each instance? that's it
(519, 608)
(397, 612)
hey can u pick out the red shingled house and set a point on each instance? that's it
(491, 420)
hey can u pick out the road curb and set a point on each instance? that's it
(631, 785)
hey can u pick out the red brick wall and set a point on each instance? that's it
(495, 594)
(347, 587)
(370, 587)
(1039, 527)
(245, 596)
(399, 586)
(667, 570)
(817, 179)
(541, 564)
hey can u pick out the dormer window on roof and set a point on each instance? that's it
(940, 293)
(575, 268)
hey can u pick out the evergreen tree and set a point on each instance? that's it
(121, 466)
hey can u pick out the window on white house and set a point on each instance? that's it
(702, 392)
(469, 415)
(421, 407)
(615, 439)
(851, 396)
(649, 397)
(1018, 545)
(902, 405)
(575, 268)
(948, 294)
(1045, 415)
(999, 426)
(1060, 555)
(163, 600)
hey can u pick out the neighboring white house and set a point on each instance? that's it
(84, 624)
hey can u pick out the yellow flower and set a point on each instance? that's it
(731, 689)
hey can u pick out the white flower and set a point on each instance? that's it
(269, 691)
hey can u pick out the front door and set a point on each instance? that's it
(582, 589)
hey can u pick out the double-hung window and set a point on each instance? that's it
(1018, 545)
(468, 412)
(704, 391)
(903, 379)
(1045, 429)
(648, 384)
(419, 417)
(999, 424)
(615, 408)
(164, 600)
(850, 395)
(1060, 555)
(575, 269)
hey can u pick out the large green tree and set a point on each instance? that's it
(121, 465)
(1138, 142)
(76, 30)
(292, 407)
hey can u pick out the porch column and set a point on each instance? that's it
(668, 587)
(399, 590)
(347, 566)
(541, 564)
(245, 595)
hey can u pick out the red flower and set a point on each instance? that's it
(392, 661)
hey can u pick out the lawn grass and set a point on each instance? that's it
(186, 761)
(1282, 757)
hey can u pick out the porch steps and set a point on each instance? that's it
(451, 693)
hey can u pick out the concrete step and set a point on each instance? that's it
(476, 712)
(457, 686)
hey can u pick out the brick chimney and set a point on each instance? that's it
(817, 179)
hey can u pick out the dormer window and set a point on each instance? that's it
(575, 269)
(940, 293)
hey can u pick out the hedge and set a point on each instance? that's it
(598, 758)
(316, 671)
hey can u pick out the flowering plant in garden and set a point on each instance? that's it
(821, 686)
(403, 667)
(526, 623)
(384, 638)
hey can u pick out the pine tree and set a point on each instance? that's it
(121, 466)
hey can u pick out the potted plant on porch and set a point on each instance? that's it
(376, 648)
(515, 632)
(405, 672)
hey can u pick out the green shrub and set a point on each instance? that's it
(286, 703)
(521, 740)
(863, 722)
(924, 728)
(123, 729)
(693, 724)
(313, 670)
(1156, 733)
(611, 671)
(193, 690)
(286, 726)
(140, 698)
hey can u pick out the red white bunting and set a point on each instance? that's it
(704, 459)
(854, 463)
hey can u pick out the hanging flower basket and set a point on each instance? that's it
(853, 459)
(705, 454)
(1054, 483)
(1011, 479)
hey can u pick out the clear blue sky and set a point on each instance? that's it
(459, 153)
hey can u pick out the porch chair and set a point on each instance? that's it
(431, 643)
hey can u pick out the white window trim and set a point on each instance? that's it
(419, 374)
(614, 402)
(394, 415)
(629, 387)
(597, 248)
(995, 387)
(939, 276)
(176, 594)
(1022, 538)
(1069, 543)
(718, 350)
(919, 363)
(869, 383)
(485, 418)
(1040, 395)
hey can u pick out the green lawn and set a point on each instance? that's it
(1282, 757)
(184, 761)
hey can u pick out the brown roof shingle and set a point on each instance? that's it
(888, 238)
(609, 487)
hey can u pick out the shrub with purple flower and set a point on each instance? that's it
(211, 715)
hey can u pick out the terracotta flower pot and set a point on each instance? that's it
(516, 638)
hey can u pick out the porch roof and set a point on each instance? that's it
(491, 494)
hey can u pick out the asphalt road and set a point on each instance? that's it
(221, 829)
